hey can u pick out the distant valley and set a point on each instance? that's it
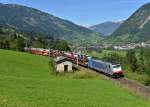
(106, 28)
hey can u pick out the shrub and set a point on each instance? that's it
(52, 66)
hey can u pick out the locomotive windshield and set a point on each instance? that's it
(117, 67)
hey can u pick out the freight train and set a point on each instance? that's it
(107, 68)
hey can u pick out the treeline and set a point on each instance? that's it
(139, 63)
(13, 39)
(139, 60)
(136, 63)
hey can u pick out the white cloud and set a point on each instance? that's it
(120, 21)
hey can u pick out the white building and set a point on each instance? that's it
(63, 65)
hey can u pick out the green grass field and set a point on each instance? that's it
(25, 81)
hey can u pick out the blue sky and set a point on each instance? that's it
(85, 12)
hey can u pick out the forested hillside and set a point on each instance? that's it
(10, 38)
(135, 29)
(33, 20)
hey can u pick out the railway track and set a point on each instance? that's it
(126, 83)
(140, 89)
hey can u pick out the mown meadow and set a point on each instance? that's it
(26, 80)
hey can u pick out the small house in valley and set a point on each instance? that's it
(63, 64)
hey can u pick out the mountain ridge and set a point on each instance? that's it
(33, 20)
(106, 28)
(135, 28)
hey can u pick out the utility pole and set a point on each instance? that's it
(49, 52)
(77, 61)
(26, 44)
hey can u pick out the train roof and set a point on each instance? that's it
(61, 59)
(98, 60)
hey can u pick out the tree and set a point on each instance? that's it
(113, 57)
(4, 44)
(61, 45)
(37, 44)
(20, 44)
(131, 59)
(52, 66)
(1, 44)
(7, 44)
(144, 60)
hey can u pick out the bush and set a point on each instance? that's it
(147, 82)
(52, 66)
(114, 58)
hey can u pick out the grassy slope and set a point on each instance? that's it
(26, 82)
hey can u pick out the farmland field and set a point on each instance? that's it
(26, 81)
(106, 52)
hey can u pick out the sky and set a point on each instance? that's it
(84, 12)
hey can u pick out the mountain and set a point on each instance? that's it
(106, 28)
(13, 39)
(135, 29)
(32, 20)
